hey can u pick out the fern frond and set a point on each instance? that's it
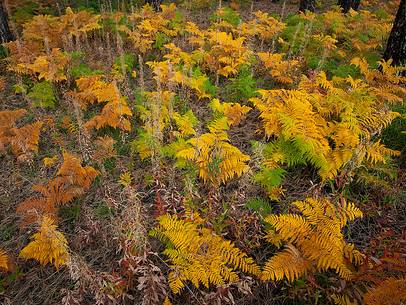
(317, 235)
(217, 160)
(71, 180)
(48, 245)
(289, 227)
(389, 292)
(198, 255)
(289, 264)
(4, 261)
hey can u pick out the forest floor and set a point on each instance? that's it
(94, 223)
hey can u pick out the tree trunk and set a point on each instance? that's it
(346, 5)
(396, 47)
(5, 33)
(309, 5)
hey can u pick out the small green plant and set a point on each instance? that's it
(42, 95)
(103, 211)
(83, 70)
(242, 87)
(271, 180)
(259, 205)
(228, 15)
(70, 213)
(128, 60)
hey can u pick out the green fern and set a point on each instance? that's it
(270, 178)
(242, 87)
(42, 95)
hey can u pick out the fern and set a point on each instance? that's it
(4, 261)
(314, 240)
(391, 291)
(47, 246)
(289, 264)
(270, 179)
(185, 123)
(216, 159)
(71, 180)
(151, 27)
(263, 26)
(114, 113)
(281, 70)
(198, 255)
(304, 121)
(242, 87)
(23, 140)
(234, 112)
(43, 95)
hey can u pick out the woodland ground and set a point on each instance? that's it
(93, 224)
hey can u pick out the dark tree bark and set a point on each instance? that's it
(396, 47)
(309, 5)
(5, 33)
(347, 4)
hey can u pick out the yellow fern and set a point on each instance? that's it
(217, 160)
(330, 124)
(23, 140)
(197, 255)
(314, 241)
(4, 261)
(289, 264)
(281, 70)
(48, 245)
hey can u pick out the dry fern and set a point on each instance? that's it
(71, 180)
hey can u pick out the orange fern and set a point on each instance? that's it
(71, 180)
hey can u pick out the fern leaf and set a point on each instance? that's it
(389, 292)
(4, 261)
(48, 245)
(289, 264)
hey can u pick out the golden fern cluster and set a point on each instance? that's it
(217, 160)
(176, 70)
(197, 255)
(149, 24)
(224, 54)
(39, 50)
(92, 89)
(24, 140)
(70, 182)
(262, 25)
(48, 245)
(282, 70)
(50, 67)
(52, 30)
(313, 240)
(358, 31)
(330, 124)
(234, 112)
